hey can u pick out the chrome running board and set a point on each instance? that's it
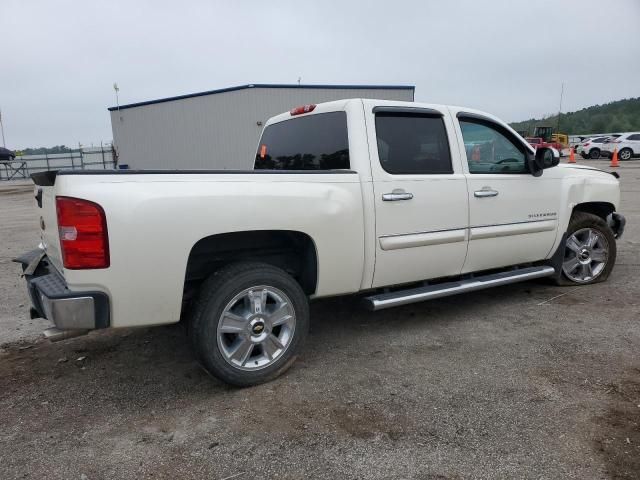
(429, 292)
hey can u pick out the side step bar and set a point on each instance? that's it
(429, 292)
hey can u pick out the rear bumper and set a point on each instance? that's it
(52, 299)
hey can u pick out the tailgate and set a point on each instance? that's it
(46, 209)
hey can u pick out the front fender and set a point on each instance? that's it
(587, 188)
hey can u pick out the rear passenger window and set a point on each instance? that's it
(635, 136)
(315, 142)
(412, 144)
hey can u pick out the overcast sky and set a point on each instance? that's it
(59, 59)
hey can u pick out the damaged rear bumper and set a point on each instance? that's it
(71, 312)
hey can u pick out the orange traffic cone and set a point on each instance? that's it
(614, 158)
(572, 156)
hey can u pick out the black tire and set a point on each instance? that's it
(215, 294)
(582, 220)
(627, 151)
(594, 153)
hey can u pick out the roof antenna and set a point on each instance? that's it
(299, 80)
(117, 89)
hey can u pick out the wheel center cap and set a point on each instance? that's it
(257, 326)
(584, 255)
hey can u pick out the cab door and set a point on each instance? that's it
(420, 192)
(513, 216)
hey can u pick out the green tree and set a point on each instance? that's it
(618, 116)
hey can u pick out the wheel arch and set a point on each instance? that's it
(601, 209)
(293, 251)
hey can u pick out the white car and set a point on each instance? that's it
(628, 145)
(592, 147)
(345, 197)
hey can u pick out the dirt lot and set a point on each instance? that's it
(526, 381)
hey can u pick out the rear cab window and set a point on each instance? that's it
(313, 142)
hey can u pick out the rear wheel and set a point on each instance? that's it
(594, 153)
(249, 323)
(590, 251)
(625, 154)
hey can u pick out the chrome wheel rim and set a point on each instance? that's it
(256, 327)
(625, 155)
(586, 255)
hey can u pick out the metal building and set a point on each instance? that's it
(218, 129)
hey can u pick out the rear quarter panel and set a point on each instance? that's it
(154, 221)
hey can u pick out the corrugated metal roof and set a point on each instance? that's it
(264, 85)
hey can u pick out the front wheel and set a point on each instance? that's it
(249, 323)
(590, 251)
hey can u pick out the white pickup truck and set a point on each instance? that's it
(403, 201)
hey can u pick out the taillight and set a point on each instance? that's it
(82, 226)
(586, 144)
(302, 109)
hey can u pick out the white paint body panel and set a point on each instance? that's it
(428, 225)
(154, 220)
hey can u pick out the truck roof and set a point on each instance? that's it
(340, 105)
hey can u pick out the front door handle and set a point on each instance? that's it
(396, 195)
(485, 193)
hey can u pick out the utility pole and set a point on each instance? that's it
(560, 109)
(2, 129)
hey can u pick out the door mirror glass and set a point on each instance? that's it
(544, 157)
(548, 157)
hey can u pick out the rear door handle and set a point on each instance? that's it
(395, 196)
(485, 193)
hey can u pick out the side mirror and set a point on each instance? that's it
(544, 157)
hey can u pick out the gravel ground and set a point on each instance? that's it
(18, 234)
(524, 381)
